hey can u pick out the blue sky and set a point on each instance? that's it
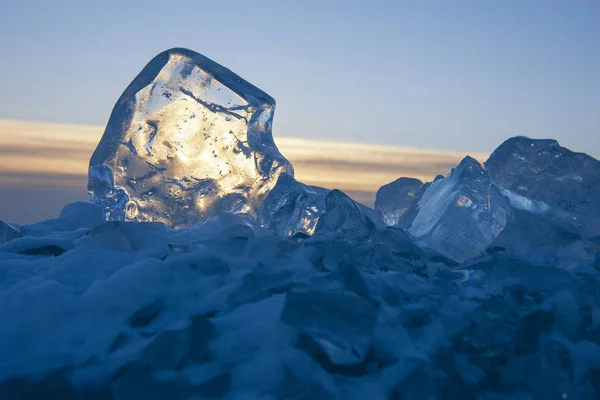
(455, 75)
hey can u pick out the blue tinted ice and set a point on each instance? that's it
(341, 324)
(227, 309)
(187, 139)
(460, 215)
(292, 208)
(344, 219)
(395, 198)
(545, 196)
(8, 232)
(533, 237)
(540, 176)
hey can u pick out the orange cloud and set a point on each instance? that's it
(57, 155)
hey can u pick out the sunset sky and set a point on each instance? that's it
(366, 91)
(44, 165)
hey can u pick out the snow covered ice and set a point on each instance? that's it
(188, 139)
(227, 309)
(483, 284)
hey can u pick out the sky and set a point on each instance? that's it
(449, 75)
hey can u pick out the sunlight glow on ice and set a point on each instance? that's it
(187, 139)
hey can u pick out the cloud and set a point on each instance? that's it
(54, 158)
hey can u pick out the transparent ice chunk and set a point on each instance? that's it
(295, 209)
(292, 208)
(186, 140)
(395, 198)
(398, 201)
(460, 215)
(344, 219)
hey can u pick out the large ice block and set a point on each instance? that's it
(542, 177)
(460, 215)
(186, 140)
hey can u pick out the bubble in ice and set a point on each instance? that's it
(188, 139)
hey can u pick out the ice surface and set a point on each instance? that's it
(341, 324)
(295, 209)
(533, 237)
(542, 177)
(8, 232)
(344, 219)
(227, 309)
(548, 198)
(460, 215)
(188, 139)
(395, 198)
(397, 203)
(292, 208)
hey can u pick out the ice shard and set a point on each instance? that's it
(292, 208)
(395, 198)
(8, 232)
(541, 177)
(295, 209)
(397, 203)
(344, 219)
(186, 140)
(460, 215)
